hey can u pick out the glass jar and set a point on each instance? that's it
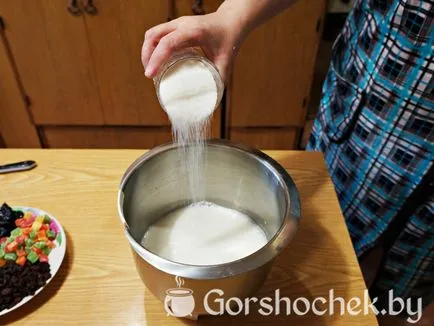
(189, 54)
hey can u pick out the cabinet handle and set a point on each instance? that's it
(197, 7)
(89, 7)
(73, 8)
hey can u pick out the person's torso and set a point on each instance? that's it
(381, 82)
(377, 109)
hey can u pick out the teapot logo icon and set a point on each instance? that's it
(179, 301)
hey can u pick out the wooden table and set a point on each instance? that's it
(98, 284)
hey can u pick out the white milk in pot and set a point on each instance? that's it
(204, 234)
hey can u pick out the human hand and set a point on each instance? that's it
(217, 36)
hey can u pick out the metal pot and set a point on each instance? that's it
(237, 177)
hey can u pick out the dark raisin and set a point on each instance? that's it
(7, 219)
(17, 282)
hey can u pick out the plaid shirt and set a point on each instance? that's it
(375, 128)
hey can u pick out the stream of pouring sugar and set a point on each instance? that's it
(188, 93)
(190, 139)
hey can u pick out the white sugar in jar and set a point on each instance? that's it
(189, 87)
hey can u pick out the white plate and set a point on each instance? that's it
(54, 259)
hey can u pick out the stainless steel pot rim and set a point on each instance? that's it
(259, 258)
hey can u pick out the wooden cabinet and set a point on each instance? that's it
(77, 81)
(106, 137)
(115, 37)
(266, 138)
(273, 74)
(187, 7)
(16, 127)
(50, 49)
(84, 70)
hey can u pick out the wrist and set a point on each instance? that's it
(236, 23)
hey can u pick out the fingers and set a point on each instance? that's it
(176, 40)
(152, 37)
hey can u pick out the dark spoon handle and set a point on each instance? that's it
(17, 167)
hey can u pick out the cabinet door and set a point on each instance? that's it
(16, 128)
(53, 60)
(266, 138)
(186, 7)
(2, 143)
(116, 35)
(105, 137)
(273, 71)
